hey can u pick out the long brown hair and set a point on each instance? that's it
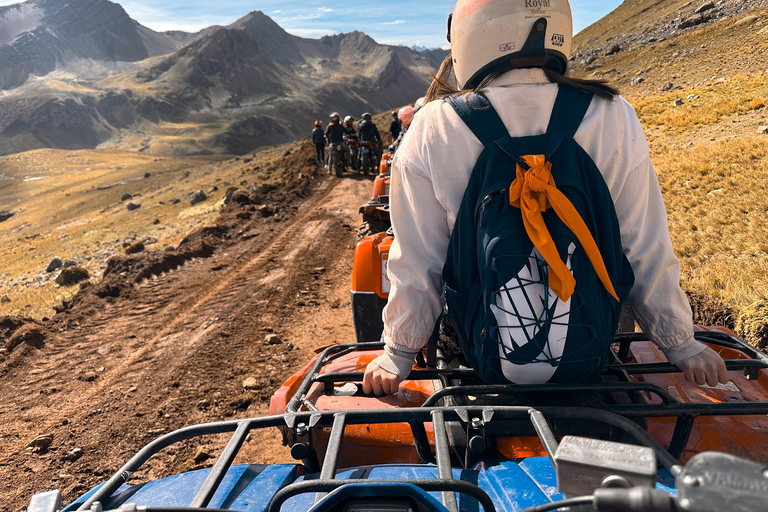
(441, 83)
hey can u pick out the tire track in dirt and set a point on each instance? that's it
(176, 353)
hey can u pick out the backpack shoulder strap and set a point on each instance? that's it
(479, 115)
(570, 108)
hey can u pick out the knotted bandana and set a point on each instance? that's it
(534, 192)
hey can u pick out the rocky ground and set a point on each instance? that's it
(695, 14)
(201, 333)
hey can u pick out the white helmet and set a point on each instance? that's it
(486, 35)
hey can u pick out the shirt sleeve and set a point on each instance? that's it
(659, 304)
(416, 261)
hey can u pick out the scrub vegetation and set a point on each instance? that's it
(701, 97)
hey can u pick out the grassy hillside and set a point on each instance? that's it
(68, 204)
(703, 130)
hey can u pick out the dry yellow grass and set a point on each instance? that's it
(717, 202)
(710, 161)
(709, 103)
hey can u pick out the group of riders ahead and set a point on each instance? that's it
(357, 147)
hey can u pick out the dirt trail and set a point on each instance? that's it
(176, 350)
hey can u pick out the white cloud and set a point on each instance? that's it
(324, 9)
(312, 33)
(396, 22)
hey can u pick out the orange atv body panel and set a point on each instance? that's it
(385, 167)
(370, 286)
(363, 444)
(745, 436)
(380, 186)
(369, 273)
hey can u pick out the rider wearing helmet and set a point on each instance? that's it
(518, 56)
(406, 117)
(318, 137)
(350, 137)
(335, 133)
(395, 127)
(368, 132)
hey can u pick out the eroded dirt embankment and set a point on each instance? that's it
(167, 339)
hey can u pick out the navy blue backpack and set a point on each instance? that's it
(533, 313)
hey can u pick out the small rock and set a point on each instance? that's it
(40, 444)
(147, 175)
(265, 210)
(70, 276)
(156, 222)
(762, 130)
(693, 21)
(678, 102)
(705, 7)
(126, 197)
(667, 87)
(229, 193)
(5, 299)
(272, 339)
(88, 376)
(135, 248)
(250, 384)
(691, 97)
(638, 80)
(73, 454)
(203, 404)
(247, 160)
(5, 215)
(70, 262)
(197, 196)
(202, 454)
(133, 206)
(746, 21)
(613, 49)
(287, 153)
(175, 200)
(55, 264)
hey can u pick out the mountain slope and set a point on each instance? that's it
(39, 36)
(230, 89)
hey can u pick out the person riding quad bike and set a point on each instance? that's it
(368, 132)
(335, 135)
(519, 110)
(318, 138)
(395, 127)
(406, 117)
(350, 138)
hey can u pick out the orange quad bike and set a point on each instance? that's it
(370, 285)
(638, 386)
(385, 167)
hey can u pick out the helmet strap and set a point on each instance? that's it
(534, 47)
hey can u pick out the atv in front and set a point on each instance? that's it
(447, 442)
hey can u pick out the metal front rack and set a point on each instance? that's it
(339, 420)
(463, 382)
(621, 417)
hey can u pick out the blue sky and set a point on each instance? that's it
(407, 22)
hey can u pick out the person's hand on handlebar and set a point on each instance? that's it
(706, 367)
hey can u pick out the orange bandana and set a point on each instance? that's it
(534, 191)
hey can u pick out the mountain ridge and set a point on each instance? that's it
(209, 94)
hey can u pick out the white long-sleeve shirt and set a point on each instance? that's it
(431, 171)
